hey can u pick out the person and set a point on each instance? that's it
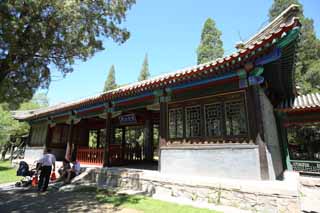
(47, 162)
(74, 171)
(63, 170)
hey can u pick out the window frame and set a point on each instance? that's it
(203, 102)
(176, 125)
(184, 121)
(221, 119)
(242, 100)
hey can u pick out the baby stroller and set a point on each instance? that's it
(27, 174)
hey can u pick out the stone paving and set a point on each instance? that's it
(26, 200)
(310, 194)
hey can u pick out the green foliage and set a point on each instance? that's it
(7, 173)
(279, 6)
(144, 73)
(8, 125)
(93, 139)
(36, 36)
(11, 127)
(311, 79)
(211, 46)
(110, 83)
(308, 56)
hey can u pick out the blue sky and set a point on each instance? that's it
(169, 31)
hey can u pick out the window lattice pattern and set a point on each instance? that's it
(175, 123)
(193, 121)
(235, 118)
(213, 120)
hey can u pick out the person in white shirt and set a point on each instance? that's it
(47, 163)
(74, 171)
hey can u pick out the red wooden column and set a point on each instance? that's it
(106, 160)
(70, 140)
(163, 128)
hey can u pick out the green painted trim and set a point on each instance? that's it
(282, 132)
(287, 39)
(242, 74)
(158, 92)
(305, 161)
(165, 99)
(257, 71)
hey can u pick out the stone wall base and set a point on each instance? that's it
(259, 196)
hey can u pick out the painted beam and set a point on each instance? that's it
(273, 56)
(206, 81)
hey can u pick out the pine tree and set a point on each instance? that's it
(144, 73)
(211, 46)
(110, 83)
(308, 51)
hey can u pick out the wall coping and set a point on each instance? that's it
(210, 147)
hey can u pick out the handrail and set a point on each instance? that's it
(91, 156)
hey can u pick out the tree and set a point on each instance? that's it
(38, 36)
(144, 73)
(110, 83)
(11, 127)
(211, 46)
(308, 56)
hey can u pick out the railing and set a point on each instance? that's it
(312, 167)
(90, 156)
(118, 154)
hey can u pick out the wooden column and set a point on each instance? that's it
(123, 143)
(71, 153)
(30, 135)
(163, 128)
(48, 136)
(264, 169)
(283, 140)
(148, 138)
(106, 160)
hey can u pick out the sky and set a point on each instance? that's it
(169, 32)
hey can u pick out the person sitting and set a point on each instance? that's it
(63, 170)
(73, 172)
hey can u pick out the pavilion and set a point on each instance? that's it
(213, 119)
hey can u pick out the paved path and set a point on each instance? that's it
(29, 200)
(310, 194)
(310, 199)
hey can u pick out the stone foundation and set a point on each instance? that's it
(260, 196)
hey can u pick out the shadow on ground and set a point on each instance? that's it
(54, 201)
(3, 168)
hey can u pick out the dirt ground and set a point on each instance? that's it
(29, 200)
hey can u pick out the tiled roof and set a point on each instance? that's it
(285, 22)
(301, 103)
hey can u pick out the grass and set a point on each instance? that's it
(7, 173)
(146, 204)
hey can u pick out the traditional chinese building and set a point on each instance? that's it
(300, 129)
(213, 119)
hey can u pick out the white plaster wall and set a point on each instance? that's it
(271, 137)
(224, 162)
(33, 153)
